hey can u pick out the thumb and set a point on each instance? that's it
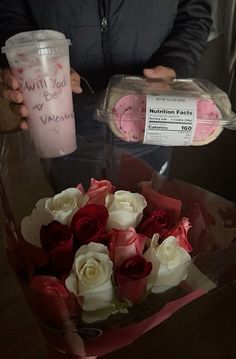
(75, 81)
(160, 72)
(149, 73)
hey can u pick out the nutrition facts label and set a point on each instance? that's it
(170, 120)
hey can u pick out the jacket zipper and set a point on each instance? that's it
(104, 8)
(104, 24)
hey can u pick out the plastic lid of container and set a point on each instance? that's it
(38, 39)
(121, 86)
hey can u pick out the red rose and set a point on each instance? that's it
(98, 190)
(49, 286)
(155, 222)
(54, 234)
(158, 200)
(180, 232)
(124, 244)
(50, 300)
(131, 278)
(56, 240)
(88, 225)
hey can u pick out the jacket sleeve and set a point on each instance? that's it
(15, 17)
(187, 40)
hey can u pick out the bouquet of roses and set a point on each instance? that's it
(105, 247)
(101, 266)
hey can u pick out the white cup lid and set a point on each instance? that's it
(37, 38)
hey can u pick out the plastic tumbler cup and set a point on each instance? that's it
(40, 62)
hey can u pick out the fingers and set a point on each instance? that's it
(9, 79)
(15, 99)
(20, 110)
(160, 72)
(9, 90)
(12, 95)
(24, 125)
(75, 82)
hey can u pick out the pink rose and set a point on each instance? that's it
(124, 244)
(155, 222)
(98, 190)
(80, 187)
(131, 278)
(180, 231)
(56, 240)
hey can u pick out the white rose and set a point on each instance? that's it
(31, 225)
(91, 276)
(125, 209)
(64, 205)
(169, 263)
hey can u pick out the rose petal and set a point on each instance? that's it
(121, 220)
(125, 244)
(63, 205)
(31, 225)
(98, 191)
(91, 275)
(99, 314)
(88, 224)
(131, 290)
(180, 232)
(125, 209)
(155, 222)
(131, 278)
(50, 300)
(61, 258)
(170, 263)
(92, 247)
(71, 283)
(98, 298)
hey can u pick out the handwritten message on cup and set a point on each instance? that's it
(47, 98)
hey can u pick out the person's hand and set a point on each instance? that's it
(9, 90)
(75, 81)
(160, 72)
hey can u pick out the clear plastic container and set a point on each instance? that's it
(40, 62)
(181, 112)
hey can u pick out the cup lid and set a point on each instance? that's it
(37, 38)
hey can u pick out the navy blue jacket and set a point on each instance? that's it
(110, 37)
(117, 36)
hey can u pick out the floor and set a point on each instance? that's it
(205, 329)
